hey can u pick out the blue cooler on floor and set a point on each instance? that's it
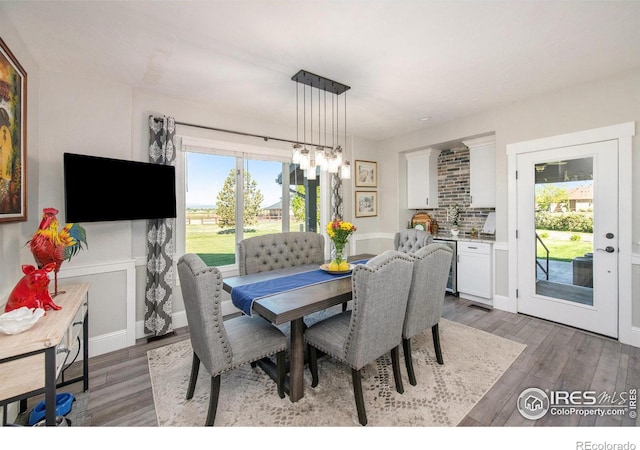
(63, 406)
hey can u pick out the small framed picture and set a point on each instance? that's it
(366, 204)
(366, 174)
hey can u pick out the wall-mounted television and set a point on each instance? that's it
(98, 189)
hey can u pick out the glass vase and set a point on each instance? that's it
(338, 252)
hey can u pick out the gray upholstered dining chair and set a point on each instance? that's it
(279, 251)
(409, 241)
(222, 345)
(426, 299)
(372, 327)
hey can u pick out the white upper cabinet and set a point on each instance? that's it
(422, 179)
(482, 172)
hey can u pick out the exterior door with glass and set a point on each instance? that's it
(567, 226)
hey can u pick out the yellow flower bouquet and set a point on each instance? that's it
(339, 232)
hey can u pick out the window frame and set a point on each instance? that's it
(242, 153)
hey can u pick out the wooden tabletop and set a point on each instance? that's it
(287, 306)
(27, 374)
(49, 329)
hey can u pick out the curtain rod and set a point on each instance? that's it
(242, 133)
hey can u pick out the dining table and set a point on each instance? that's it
(291, 306)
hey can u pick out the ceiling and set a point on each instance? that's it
(404, 60)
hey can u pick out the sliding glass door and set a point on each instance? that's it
(230, 196)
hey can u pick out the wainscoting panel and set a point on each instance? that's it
(117, 277)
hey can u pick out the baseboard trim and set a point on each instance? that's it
(503, 303)
(635, 337)
(117, 340)
(106, 343)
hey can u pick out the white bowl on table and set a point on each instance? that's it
(19, 320)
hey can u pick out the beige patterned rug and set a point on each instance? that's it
(474, 361)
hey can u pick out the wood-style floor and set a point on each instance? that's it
(556, 358)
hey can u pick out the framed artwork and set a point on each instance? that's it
(366, 203)
(366, 174)
(13, 137)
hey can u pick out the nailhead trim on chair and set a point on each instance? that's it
(217, 319)
(217, 325)
(354, 309)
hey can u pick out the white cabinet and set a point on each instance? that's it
(422, 179)
(474, 271)
(482, 171)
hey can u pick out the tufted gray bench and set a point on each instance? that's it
(410, 241)
(279, 251)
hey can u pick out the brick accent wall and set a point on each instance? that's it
(454, 187)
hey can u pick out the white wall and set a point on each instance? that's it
(367, 238)
(88, 116)
(591, 105)
(577, 108)
(14, 235)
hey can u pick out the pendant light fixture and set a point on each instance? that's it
(327, 158)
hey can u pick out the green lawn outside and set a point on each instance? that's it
(561, 248)
(219, 249)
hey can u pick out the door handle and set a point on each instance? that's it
(608, 249)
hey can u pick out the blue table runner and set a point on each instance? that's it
(243, 296)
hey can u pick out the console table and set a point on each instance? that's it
(31, 361)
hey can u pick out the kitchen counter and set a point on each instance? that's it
(464, 237)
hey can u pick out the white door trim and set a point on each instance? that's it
(623, 134)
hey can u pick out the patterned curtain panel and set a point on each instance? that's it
(336, 197)
(160, 276)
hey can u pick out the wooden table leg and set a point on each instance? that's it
(296, 361)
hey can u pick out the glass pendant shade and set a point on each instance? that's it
(345, 171)
(295, 158)
(333, 165)
(339, 155)
(304, 159)
(311, 171)
(320, 158)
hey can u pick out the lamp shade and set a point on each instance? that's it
(311, 171)
(345, 170)
(304, 159)
(295, 157)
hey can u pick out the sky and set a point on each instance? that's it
(569, 184)
(206, 174)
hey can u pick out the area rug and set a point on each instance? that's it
(474, 361)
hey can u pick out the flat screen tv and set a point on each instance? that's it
(98, 189)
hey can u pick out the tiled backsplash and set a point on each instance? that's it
(454, 187)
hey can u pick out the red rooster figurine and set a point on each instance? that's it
(50, 246)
